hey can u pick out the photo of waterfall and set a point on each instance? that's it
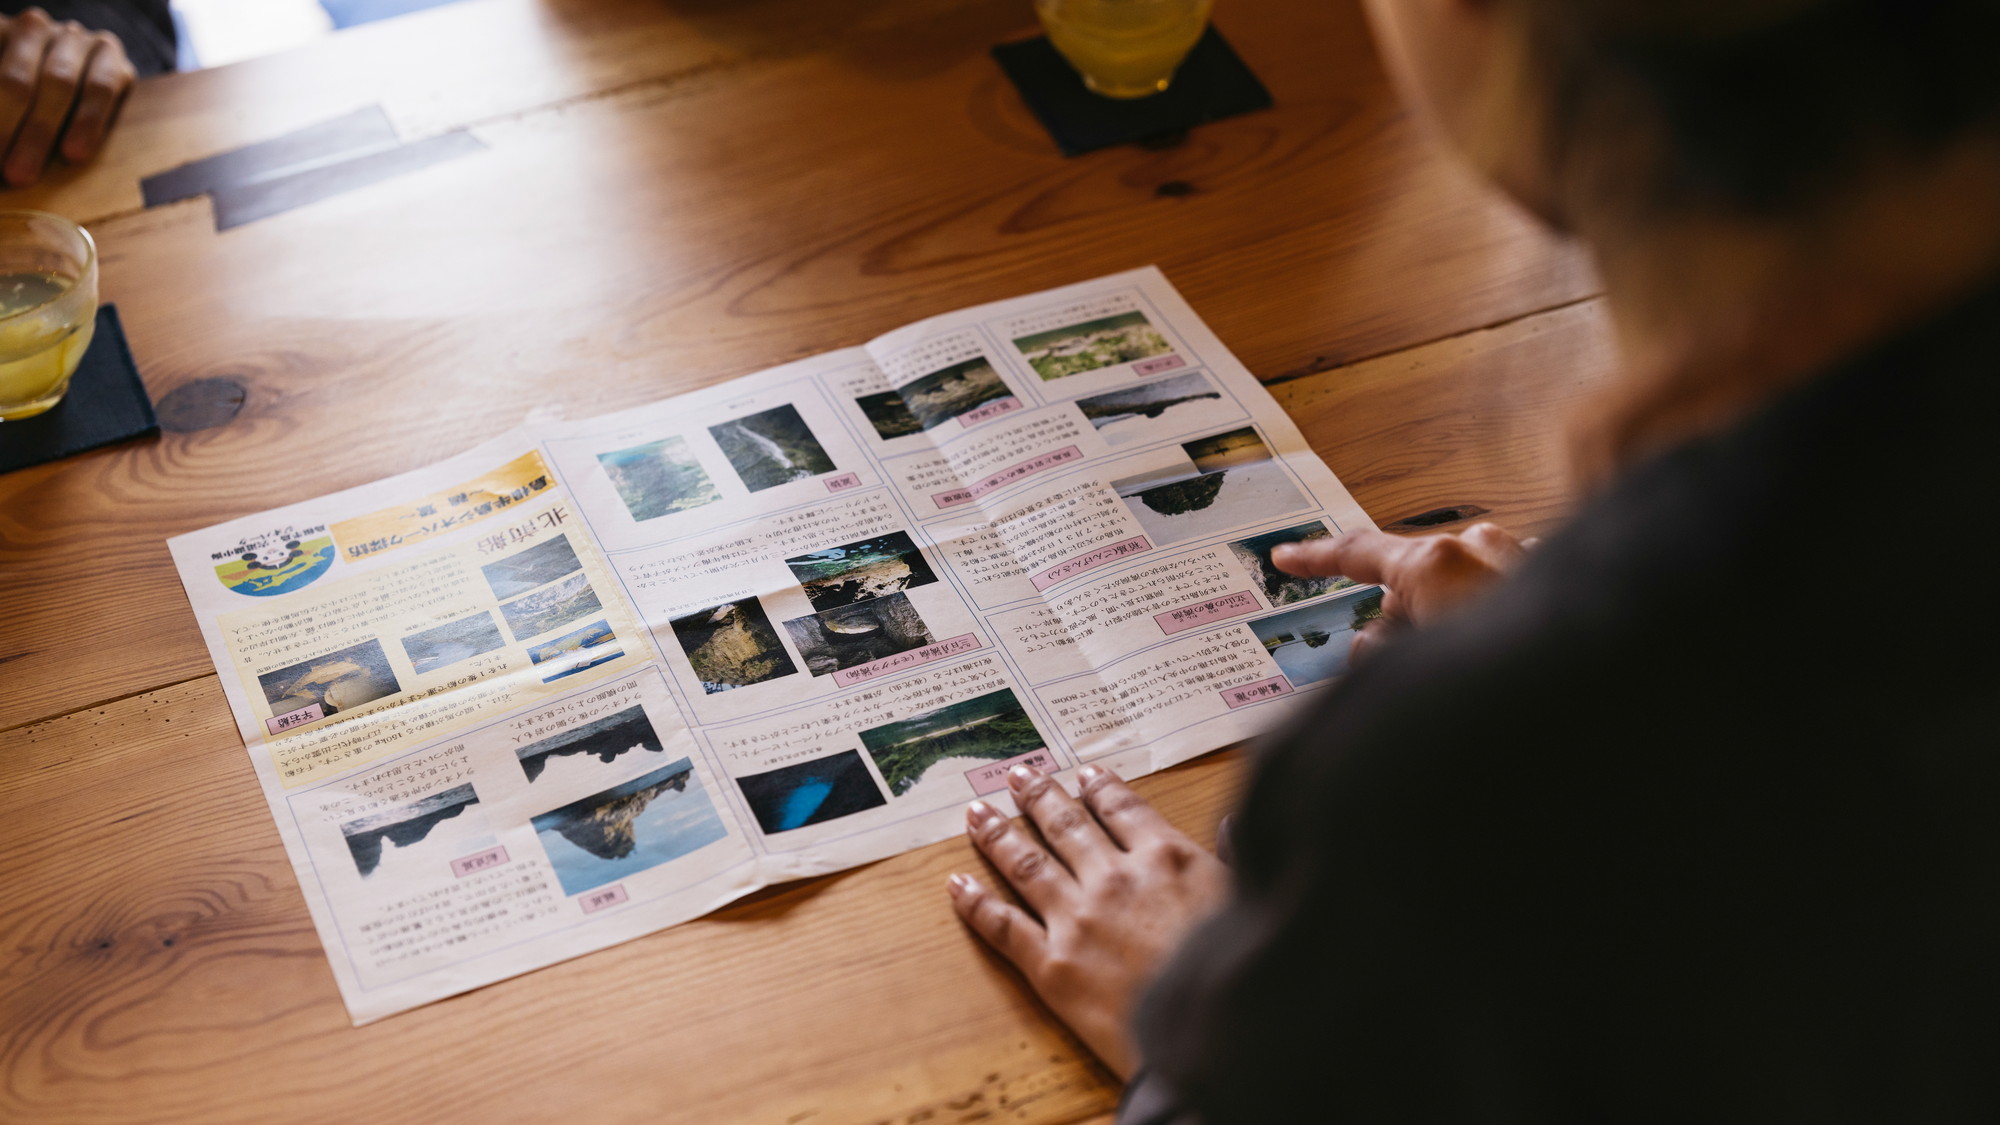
(771, 448)
(856, 634)
(810, 792)
(629, 828)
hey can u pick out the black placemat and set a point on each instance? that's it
(106, 403)
(1211, 84)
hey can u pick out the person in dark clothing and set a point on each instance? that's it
(65, 68)
(1691, 813)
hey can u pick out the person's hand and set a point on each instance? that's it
(1425, 576)
(1114, 898)
(58, 82)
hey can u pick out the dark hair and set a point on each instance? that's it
(1761, 106)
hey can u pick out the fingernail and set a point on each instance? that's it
(1019, 776)
(978, 812)
(962, 885)
(1089, 774)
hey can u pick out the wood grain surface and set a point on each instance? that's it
(675, 192)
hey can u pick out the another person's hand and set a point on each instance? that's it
(58, 82)
(1425, 576)
(1114, 898)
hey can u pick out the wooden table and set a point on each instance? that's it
(675, 192)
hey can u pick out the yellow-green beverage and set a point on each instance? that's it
(1124, 48)
(48, 309)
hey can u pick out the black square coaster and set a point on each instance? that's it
(106, 403)
(1211, 84)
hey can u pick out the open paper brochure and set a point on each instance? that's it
(592, 679)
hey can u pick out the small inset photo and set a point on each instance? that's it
(812, 792)
(1162, 406)
(1227, 480)
(856, 572)
(943, 395)
(857, 634)
(551, 607)
(539, 565)
(889, 414)
(771, 447)
(411, 832)
(336, 682)
(629, 828)
(1310, 643)
(1107, 342)
(732, 646)
(441, 646)
(933, 750)
(659, 478)
(571, 653)
(1280, 588)
(606, 739)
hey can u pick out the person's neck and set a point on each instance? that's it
(1715, 317)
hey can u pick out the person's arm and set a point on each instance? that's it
(1109, 888)
(61, 85)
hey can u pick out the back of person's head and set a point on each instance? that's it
(1755, 106)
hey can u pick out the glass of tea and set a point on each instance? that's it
(1124, 48)
(48, 309)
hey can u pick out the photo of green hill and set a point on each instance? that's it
(984, 728)
(1106, 342)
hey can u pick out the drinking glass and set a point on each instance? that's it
(1124, 48)
(48, 309)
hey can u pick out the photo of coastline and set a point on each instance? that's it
(1227, 480)
(889, 414)
(732, 646)
(1280, 588)
(856, 572)
(1310, 643)
(629, 828)
(338, 681)
(443, 645)
(567, 655)
(659, 478)
(539, 565)
(414, 827)
(771, 447)
(1106, 342)
(605, 739)
(950, 739)
(551, 607)
(1163, 406)
(810, 792)
(857, 634)
(942, 395)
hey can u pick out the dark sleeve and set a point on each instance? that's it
(1654, 833)
(145, 27)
